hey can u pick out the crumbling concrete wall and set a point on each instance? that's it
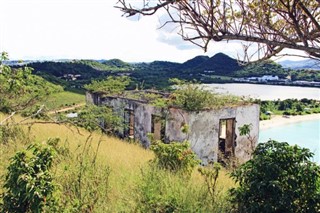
(247, 115)
(201, 129)
(142, 115)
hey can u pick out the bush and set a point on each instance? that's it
(175, 156)
(191, 96)
(279, 178)
(94, 118)
(29, 183)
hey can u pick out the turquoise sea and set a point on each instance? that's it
(305, 134)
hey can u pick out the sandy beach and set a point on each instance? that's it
(278, 120)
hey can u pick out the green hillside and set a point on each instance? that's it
(219, 68)
(219, 64)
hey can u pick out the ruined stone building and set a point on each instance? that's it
(209, 131)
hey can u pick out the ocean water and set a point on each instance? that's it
(265, 92)
(305, 134)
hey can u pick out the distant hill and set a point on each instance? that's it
(164, 64)
(301, 64)
(194, 62)
(156, 74)
(117, 63)
(219, 64)
(261, 68)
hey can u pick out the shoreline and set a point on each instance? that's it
(278, 120)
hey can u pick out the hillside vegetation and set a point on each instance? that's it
(219, 68)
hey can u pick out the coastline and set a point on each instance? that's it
(278, 120)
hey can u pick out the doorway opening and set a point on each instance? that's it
(227, 137)
(128, 124)
(158, 127)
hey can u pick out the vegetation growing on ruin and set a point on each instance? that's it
(190, 96)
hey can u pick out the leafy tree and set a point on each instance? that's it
(191, 98)
(98, 117)
(29, 183)
(271, 24)
(111, 86)
(278, 178)
(20, 89)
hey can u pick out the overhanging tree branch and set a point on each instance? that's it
(275, 25)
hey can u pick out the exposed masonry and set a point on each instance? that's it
(208, 131)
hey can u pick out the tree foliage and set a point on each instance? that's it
(193, 97)
(271, 24)
(290, 106)
(20, 89)
(111, 86)
(278, 178)
(175, 156)
(29, 182)
(94, 118)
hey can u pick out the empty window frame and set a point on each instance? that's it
(158, 127)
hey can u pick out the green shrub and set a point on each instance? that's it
(279, 178)
(264, 117)
(175, 156)
(113, 85)
(94, 118)
(29, 183)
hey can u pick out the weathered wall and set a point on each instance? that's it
(203, 133)
(203, 126)
(142, 116)
(247, 115)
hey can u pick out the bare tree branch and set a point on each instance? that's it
(275, 25)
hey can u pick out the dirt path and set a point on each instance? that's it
(66, 108)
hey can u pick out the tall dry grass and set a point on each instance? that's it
(127, 162)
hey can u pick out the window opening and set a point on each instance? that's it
(129, 123)
(158, 127)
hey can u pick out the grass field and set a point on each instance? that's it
(128, 166)
(64, 99)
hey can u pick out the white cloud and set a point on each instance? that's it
(91, 29)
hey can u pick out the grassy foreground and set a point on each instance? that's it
(104, 174)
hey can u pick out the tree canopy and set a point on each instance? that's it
(111, 86)
(278, 178)
(20, 89)
(265, 27)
